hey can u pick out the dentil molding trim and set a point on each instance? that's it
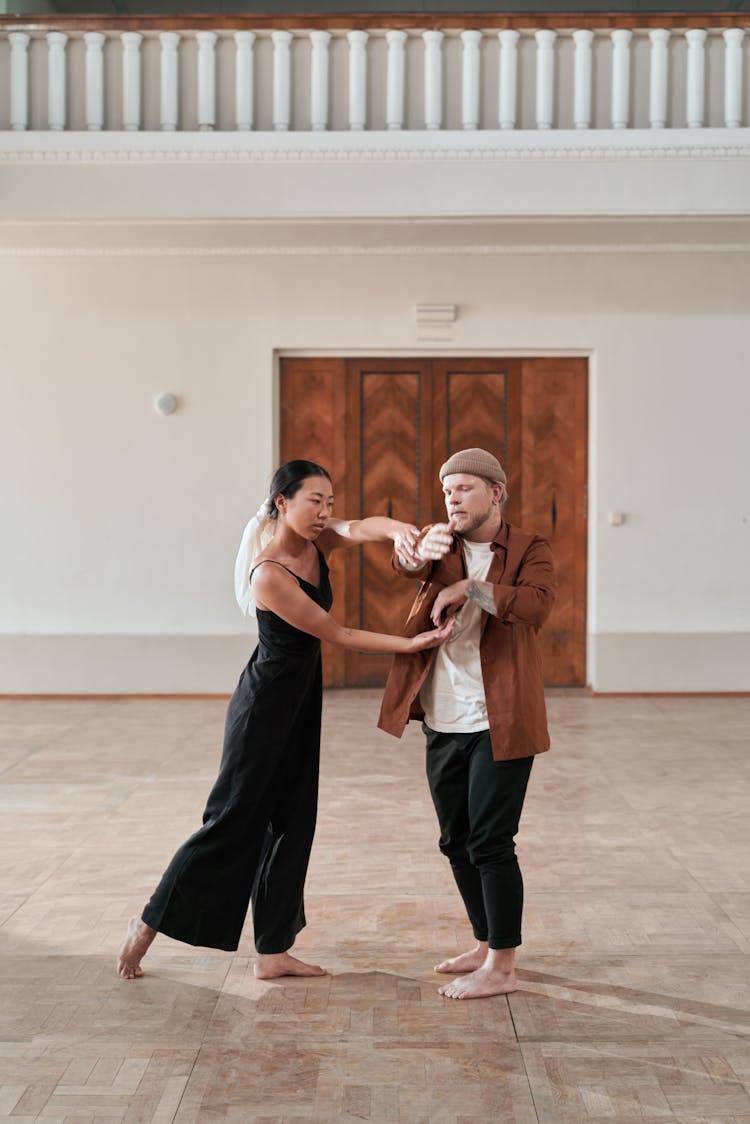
(43, 147)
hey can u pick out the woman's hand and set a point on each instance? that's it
(449, 601)
(432, 638)
(405, 541)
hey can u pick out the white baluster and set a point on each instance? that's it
(433, 79)
(19, 79)
(696, 72)
(282, 80)
(243, 80)
(470, 79)
(657, 102)
(206, 80)
(545, 77)
(169, 80)
(94, 41)
(131, 80)
(508, 78)
(621, 77)
(357, 79)
(56, 41)
(582, 82)
(319, 80)
(394, 112)
(733, 77)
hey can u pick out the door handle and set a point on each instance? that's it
(553, 513)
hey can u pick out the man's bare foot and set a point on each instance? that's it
(135, 946)
(273, 965)
(466, 962)
(484, 981)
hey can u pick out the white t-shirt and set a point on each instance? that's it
(452, 695)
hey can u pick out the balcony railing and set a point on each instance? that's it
(176, 77)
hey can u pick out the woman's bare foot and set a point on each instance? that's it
(485, 981)
(466, 962)
(272, 965)
(134, 948)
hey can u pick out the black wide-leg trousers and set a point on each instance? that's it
(257, 831)
(478, 802)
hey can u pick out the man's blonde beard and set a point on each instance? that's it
(494, 512)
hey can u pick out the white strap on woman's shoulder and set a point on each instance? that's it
(255, 538)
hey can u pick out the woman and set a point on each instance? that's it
(259, 821)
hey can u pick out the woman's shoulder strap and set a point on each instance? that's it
(321, 556)
(275, 564)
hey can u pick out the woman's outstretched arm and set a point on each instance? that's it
(375, 528)
(277, 590)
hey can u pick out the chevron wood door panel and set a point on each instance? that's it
(477, 405)
(313, 425)
(385, 426)
(553, 435)
(388, 418)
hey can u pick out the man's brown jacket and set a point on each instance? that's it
(522, 572)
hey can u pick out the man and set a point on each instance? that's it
(481, 696)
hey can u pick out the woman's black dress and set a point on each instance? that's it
(259, 821)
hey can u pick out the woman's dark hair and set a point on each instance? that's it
(289, 478)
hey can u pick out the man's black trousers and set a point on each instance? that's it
(478, 803)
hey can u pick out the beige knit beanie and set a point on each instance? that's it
(477, 462)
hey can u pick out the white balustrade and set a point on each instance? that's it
(56, 41)
(582, 79)
(545, 78)
(282, 80)
(621, 78)
(94, 41)
(19, 79)
(131, 80)
(319, 41)
(508, 78)
(169, 85)
(357, 79)
(206, 80)
(659, 73)
(433, 79)
(395, 92)
(243, 79)
(470, 79)
(733, 77)
(553, 95)
(696, 77)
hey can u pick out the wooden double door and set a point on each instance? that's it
(383, 427)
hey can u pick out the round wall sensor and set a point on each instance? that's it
(165, 404)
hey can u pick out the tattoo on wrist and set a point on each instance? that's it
(481, 592)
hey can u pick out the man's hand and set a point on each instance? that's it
(449, 601)
(436, 543)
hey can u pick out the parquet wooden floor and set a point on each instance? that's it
(634, 1000)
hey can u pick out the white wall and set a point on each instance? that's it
(119, 526)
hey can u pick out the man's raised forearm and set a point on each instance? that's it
(481, 593)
